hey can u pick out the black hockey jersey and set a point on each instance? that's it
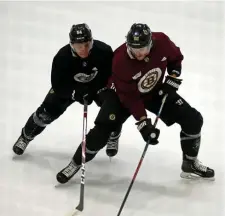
(84, 76)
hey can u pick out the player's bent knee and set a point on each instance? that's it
(97, 138)
(193, 122)
(42, 118)
(108, 122)
(112, 114)
(197, 121)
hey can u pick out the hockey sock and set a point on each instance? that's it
(190, 144)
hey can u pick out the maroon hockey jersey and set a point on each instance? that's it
(135, 81)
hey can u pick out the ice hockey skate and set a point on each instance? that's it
(20, 145)
(67, 173)
(194, 169)
(113, 144)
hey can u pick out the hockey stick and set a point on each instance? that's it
(80, 206)
(142, 157)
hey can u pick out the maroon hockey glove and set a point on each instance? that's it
(171, 84)
(148, 131)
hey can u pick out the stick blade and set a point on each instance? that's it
(80, 207)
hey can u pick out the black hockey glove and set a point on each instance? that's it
(148, 131)
(82, 92)
(80, 98)
(170, 85)
(101, 95)
(88, 98)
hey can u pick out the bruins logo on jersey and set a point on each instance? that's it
(149, 80)
(112, 117)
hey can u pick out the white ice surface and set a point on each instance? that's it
(30, 35)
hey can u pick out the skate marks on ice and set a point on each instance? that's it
(156, 183)
(106, 183)
(151, 194)
(108, 188)
(49, 160)
(112, 192)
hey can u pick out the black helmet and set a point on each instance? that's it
(139, 36)
(80, 33)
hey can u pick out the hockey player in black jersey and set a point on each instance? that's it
(79, 69)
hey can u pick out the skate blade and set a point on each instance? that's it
(192, 176)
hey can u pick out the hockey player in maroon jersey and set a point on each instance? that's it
(138, 84)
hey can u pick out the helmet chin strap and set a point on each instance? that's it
(74, 53)
(130, 53)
